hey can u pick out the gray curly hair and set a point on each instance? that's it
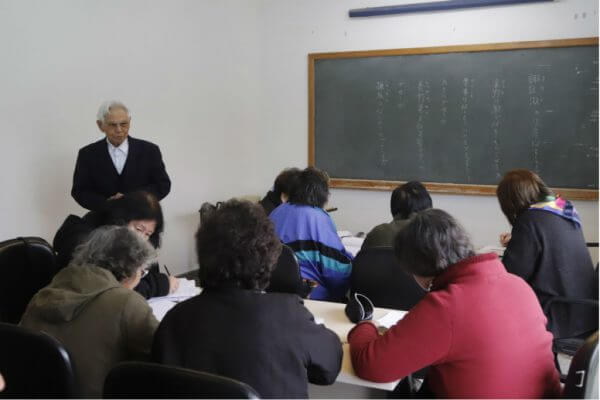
(115, 248)
(431, 242)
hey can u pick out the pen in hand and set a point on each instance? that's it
(173, 281)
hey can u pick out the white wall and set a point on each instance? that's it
(221, 86)
(292, 29)
(187, 69)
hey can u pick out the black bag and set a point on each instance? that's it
(359, 308)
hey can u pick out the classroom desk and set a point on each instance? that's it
(351, 243)
(333, 317)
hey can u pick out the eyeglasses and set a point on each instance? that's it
(141, 229)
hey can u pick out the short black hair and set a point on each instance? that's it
(138, 205)
(409, 198)
(431, 242)
(285, 181)
(311, 188)
(237, 246)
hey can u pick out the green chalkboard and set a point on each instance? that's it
(458, 117)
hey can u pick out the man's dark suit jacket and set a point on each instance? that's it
(95, 178)
(268, 340)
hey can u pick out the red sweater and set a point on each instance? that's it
(480, 329)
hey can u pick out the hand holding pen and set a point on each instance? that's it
(173, 281)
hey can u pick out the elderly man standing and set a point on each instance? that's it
(119, 164)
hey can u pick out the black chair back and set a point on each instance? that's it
(286, 277)
(27, 264)
(376, 273)
(571, 317)
(34, 365)
(157, 381)
(582, 380)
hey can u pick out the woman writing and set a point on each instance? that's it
(546, 248)
(307, 228)
(90, 306)
(141, 212)
(233, 328)
(480, 329)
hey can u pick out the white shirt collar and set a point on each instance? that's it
(123, 147)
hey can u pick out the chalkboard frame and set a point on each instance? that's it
(451, 188)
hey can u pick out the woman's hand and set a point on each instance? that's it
(505, 238)
(380, 328)
(173, 284)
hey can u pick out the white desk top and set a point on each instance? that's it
(332, 316)
(351, 243)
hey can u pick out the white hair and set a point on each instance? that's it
(107, 106)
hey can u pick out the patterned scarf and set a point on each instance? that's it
(559, 206)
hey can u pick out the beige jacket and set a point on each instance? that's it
(99, 322)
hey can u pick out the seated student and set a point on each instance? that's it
(406, 199)
(281, 189)
(480, 329)
(546, 248)
(90, 306)
(141, 212)
(302, 224)
(233, 328)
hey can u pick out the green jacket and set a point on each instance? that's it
(384, 234)
(99, 322)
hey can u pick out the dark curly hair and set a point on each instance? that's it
(518, 190)
(237, 246)
(133, 206)
(311, 188)
(409, 198)
(431, 242)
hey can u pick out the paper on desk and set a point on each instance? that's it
(353, 241)
(499, 250)
(391, 318)
(160, 306)
(343, 234)
(187, 288)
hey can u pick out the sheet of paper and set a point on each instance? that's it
(343, 234)
(391, 318)
(499, 250)
(187, 288)
(160, 306)
(353, 241)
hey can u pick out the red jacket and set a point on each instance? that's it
(480, 329)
